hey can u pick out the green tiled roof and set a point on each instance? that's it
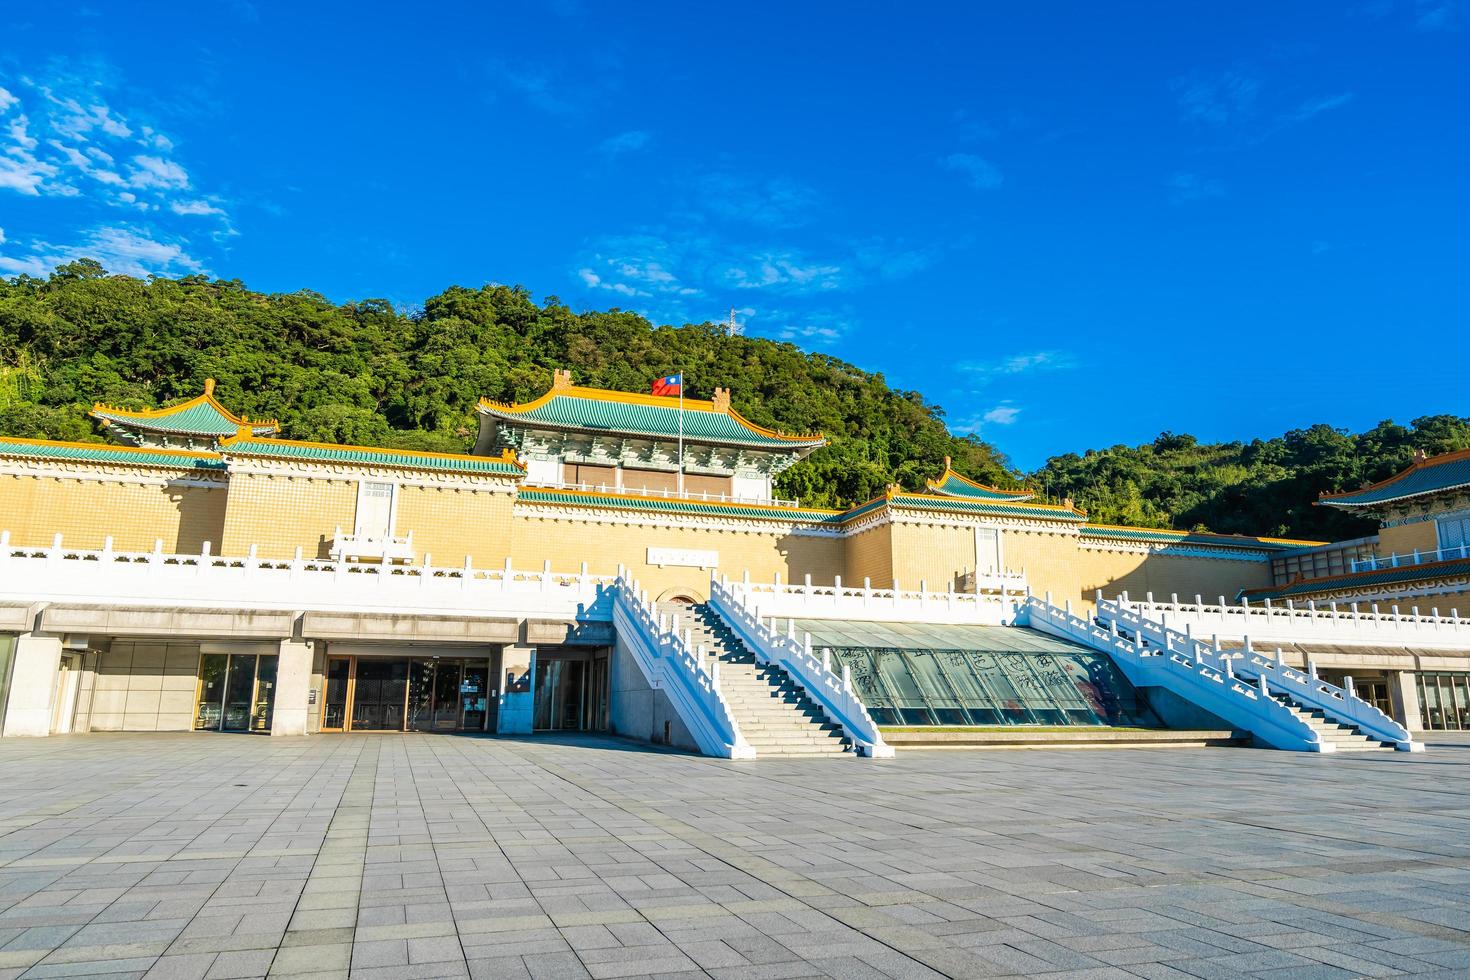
(984, 507)
(644, 415)
(82, 452)
(201, 416)
(368, 456)
(1359, 580)
(1448, 472)
(669, 505)
(1189, 537)
(954, 485)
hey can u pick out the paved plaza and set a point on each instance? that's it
(191, 856)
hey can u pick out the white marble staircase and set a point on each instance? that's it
(1342, 738)
(774, 714)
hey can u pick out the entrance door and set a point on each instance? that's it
(446, 697)
(378, 695)
(559, 691)
(1376, 694)
(239, 694)
(474, 699)
(334, 704)
(374, 510)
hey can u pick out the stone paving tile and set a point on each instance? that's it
(423, 856)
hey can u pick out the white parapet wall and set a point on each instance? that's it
(993, 605)
(1330, 623)
(59, 574)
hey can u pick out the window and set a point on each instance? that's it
(374, 510)
(1454, 532)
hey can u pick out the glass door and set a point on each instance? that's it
(446, 696)
(378, 694)
(239, 694)
(334, 703)
(212, 670)
(265, 693)
(421, 695)
(558, 704)
(473, 697)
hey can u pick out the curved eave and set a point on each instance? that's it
(1458, 463)
(672, 505)
(998, 508)
(108, 454)
(1207, 538)
(761, 437)
(942, 486)
(156, 419)
(504, 466)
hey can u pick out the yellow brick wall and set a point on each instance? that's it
(452, 524)
(869, 554)
(936, 556)
(86, 511)
(1055, 563)
(568, 543)
(283, 513)
(1405, 539)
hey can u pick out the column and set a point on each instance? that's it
(517, 687)
(293, 687)
(32, 684)
(1403, 691)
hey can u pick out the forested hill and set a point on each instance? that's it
(1261, 487)
(366, 373)
(369, 374)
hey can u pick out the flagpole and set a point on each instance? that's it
(681, 433)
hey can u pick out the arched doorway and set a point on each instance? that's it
(680, 596)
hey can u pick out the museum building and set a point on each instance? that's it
(620, 562)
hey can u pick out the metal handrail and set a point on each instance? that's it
(1395, 560)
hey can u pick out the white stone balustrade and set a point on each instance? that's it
(831, 691)
(368, 547)
(1349, 623)
(689, 679)
(993, 605)
(207, 581)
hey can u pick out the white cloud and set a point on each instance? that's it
(156, 172)
(629, 142)
(981, 173)
(1027, 363)
(122, 249)
(195, 207)
(1003, 414)
(2, 236)
(1315, 107)
(777, 202)
(785, 269)
(1193, 187)
(7, 100)
(1216, 100)
(536, 87)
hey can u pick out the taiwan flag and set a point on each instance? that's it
(671, 386)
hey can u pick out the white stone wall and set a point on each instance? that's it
(145, 686)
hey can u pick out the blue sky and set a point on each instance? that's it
(1069, 225)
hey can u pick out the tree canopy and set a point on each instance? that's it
(368, 373)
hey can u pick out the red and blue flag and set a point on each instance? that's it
(669, 386)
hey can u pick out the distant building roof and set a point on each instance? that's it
(1166, 536)
(1426, 475)
(99, 452)
(199, 416)
(676, 505)
(598, 410)
(951, 484)
(1427, 572)
(321, 452)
